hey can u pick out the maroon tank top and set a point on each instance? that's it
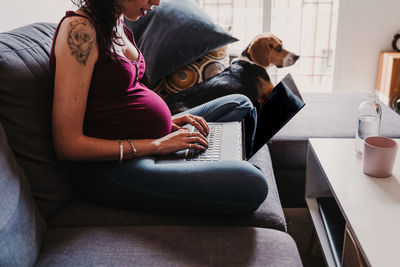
(118, 105)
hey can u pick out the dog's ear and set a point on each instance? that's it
(273, 41)
(259, 51)
(274, 38)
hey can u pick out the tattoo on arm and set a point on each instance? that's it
(81, 36)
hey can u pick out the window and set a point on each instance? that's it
(306, 27)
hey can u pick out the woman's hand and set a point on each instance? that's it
(197, 121)
(180, 139)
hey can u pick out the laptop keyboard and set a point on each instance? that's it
(212, 153)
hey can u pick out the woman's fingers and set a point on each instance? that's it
(196, 146)
(183, 139)
(197, 121)
(199, 127)
(200, 124)
(194, 140)
(198, 140)
(203, 123)
(196, 135)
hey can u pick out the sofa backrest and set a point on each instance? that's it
(25, 112)
(22, 228)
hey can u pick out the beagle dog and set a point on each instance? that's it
(246, 75)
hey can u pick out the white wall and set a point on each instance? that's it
(365, 27)
(16, 13)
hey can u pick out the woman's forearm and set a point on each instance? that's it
(84, 148)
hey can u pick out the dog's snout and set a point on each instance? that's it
(290, 59)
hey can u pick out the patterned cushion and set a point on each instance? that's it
(198, 71)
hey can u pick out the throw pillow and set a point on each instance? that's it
(198, 71)
(175, 34)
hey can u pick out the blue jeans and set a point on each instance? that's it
(221, 187)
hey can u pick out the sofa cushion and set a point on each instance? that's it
(325, 115)
(168, 246)
(269, 215)
(21, 226)
(175, 34)
(25, 112)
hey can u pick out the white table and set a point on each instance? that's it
(370, 206)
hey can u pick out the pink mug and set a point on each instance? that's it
(379, 156)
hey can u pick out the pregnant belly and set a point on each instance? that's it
(141, 114)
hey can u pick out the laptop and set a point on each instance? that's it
(227, 139)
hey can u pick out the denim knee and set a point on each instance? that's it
(260, 190)
(231, 108)
(253, 185)
(243, 100)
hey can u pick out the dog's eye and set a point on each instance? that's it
(279, 48)
(271, 46)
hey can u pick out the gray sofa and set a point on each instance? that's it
(44, 222)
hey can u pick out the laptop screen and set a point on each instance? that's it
(282, 103)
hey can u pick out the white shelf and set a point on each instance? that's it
(370, 206)
(321, 232)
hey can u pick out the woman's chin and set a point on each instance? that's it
(134, 18)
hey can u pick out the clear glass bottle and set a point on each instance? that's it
(369, 120)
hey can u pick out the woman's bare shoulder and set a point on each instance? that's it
(78, 35)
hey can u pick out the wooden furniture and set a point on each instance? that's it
(370, 206)
(352, 256)
(388, 78)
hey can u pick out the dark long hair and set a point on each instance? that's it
(104, 14)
